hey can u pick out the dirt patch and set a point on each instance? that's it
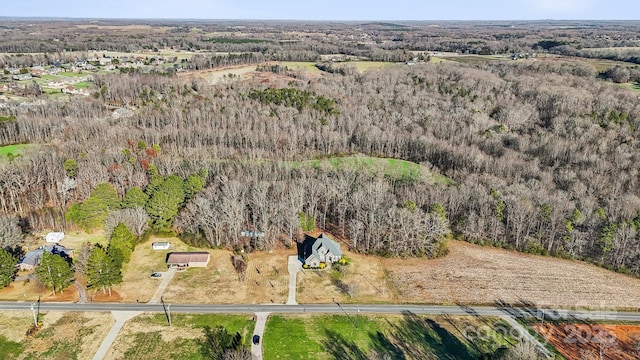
(473, 274)
(588, 341)
(31, 290)
(99, 296)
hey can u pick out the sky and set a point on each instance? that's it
(329, 9)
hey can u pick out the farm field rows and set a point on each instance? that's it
(472, 274)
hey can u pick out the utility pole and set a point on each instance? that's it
(167, 310)
(35, 318)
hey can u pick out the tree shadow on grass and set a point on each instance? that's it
(414, 337)
(341, 348)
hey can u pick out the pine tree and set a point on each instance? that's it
(54, 271)
(164, 204)
(122, 239)
(104, 269)
(7, 268)
(95, 267)
(134, 198)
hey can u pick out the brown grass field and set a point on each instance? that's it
(362, 281)
(588, 341)
(64, 335)
(473, 274)
(147, 336)
(266, 280)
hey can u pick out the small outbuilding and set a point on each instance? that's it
(54, 237)
(182, 260)
(160, 245)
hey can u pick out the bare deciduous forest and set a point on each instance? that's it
(536, 155)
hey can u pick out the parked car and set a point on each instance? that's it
(156, 275)
(256, 339)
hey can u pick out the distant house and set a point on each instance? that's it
(322, 249)
(160, 245)
(182, 260)
(54, 237)
(32, 258)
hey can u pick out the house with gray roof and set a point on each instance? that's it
(322, 249)
(32, 258)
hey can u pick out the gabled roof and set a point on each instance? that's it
(187, 257)
(332, 246)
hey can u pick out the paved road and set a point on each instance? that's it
(549, 314)
(261, 322)
(293, 267)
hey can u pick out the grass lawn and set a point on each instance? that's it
(307, 66)
(148, 337)
(16, 149)
(399, 170)
(71, 74)
(9, 349)
(602, 65)
(82, 85)
(406, 336)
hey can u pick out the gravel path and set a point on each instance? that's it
(81, 292)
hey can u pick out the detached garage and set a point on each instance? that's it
(182, 260)
(54, 237)
(161, 245)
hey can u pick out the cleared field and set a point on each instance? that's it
(588, 341)
(266, 280)
(472, 274)
(602, 65)
(13, 149)
(394, 337)
(136, 282)
(148, 337)
(307, 66)
(474, 58)
(394, 168)
(64, 335)
(362, 281)
(368, 65)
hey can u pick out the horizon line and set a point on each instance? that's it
(19, 17)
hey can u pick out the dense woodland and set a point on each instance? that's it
(540, 156)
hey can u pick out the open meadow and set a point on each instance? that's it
(395, 337)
